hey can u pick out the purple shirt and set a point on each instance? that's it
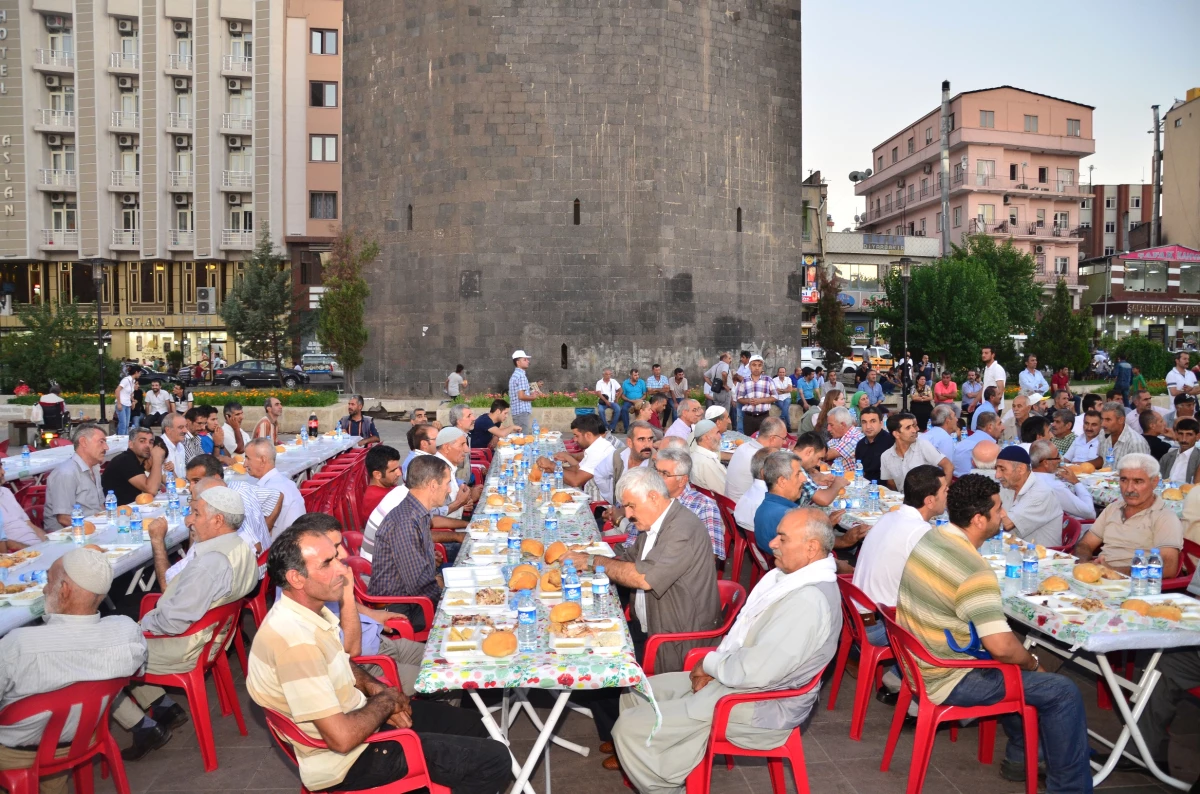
(681, 429)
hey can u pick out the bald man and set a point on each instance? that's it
(983, 458)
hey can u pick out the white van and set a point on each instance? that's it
(320, 363)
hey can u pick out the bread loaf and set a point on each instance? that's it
(500, 643)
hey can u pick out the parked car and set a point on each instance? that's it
(255, 373)
(148, 376)
(812, 357)
(880, 357)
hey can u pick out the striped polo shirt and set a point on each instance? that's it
(946, 585)
(299, 668)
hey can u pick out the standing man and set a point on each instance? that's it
(740, 376)
(455, 382)
(755, 396)
(609, 392)
(632, 390)
(520, 394)
(268, 426)
(870, 448)
(260, 464)
(909, 451)
(355, 424)
(77, 480)
(972, 393)
(993, 375)
(784, 388)
(1181, 380)
(124, 402)
(158, 403)
(677, 392)
(1122, 379)
(717, 379)
(1031, 380)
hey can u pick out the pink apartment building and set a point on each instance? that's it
(1014, 175)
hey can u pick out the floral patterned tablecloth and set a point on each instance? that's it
(1105, 490)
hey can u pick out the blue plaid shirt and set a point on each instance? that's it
(516, 384)
(403, 563)
(705, 509)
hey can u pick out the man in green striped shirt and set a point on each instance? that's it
(948, 587)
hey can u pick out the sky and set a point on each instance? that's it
(871, 68)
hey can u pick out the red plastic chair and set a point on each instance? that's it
(1187, 567)
(32, 499)
(359, 568)
(352, 541)
(92, 737)
(1072, 530)
(870, 657)
(908, 650)
(735, 540)
(61, 442)
(733, 598)
(760, 562)
(4, 448)
(258, 610)
(222, 621)
(700, 779)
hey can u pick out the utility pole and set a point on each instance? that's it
(945, 230)
(1154, 218)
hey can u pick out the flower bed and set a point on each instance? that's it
(293, 398)
(556, 399)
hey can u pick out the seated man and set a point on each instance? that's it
(943, 430)
(675, 467)
(1119, 436)
(785, 479)
(76, 481)
(260, 463)
(1180, 464)
(843, 437)
(707, 471)
(73, 644)
(990, 429)
(1139, 519)
(579, 469)
(404, 563)
(821, 488)
(422, 440)
(786, 635)
(948, 587)
(1062, 422)
(1031, 510)
(1153, 428)
(383, 473)
(747, 506)
(1086, 447)
(983, 459)
(299, 668)
(1073, 496)
(453, 449)
(355, 424)
(875, 441)
(772, 435)
(223, 571)
(487, 428)
(909, 451)
(137, 470)
(718, 416)
(253, 529)
(638, 449)
(16, 530)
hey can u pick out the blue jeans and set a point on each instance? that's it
(123, 419)
(737, 413)
(1062, 725)
(877, 634)
(604, 411)
(785, 408)
(623, 418)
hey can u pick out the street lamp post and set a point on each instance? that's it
(906, 370)
(98, 280)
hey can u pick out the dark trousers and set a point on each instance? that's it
(751, 422)
(411, 611)
(1180, 672)
(457, 749)
(606, 703)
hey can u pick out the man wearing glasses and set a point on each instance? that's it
(1073, 496)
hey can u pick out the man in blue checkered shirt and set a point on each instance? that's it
(520, 394)
(675, 465)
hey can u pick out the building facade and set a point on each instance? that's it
(1181, 172)
(862, 261)
(162, 139)
(1152, 292)
(1109, 216)
(1014, 175)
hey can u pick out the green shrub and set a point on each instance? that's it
(1154, 360)
(292, 398)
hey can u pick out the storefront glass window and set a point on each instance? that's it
(1145, 277)
(861, 277)
(1189, 278)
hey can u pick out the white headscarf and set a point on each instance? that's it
(774, 586)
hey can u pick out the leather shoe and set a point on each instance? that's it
(611, 763)
(885, 697)
(607, 748)
(146, 741)
(171, 717)
(1015, 771)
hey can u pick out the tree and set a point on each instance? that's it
(1060, 337)
(952, 311)
(259, 310)
(59, 344)
(1154, 360)
(1019, 293)
(830, 332)
(340, 329)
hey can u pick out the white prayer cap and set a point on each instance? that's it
(224, 499)
(714, 412)
(89, 569)
(448, 435)
(703, 427)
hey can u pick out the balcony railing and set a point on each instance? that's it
(1042, 230)
(179, 63)
(183, 180)
(989, 181)
(237, 63)
(57, 177)
(57, 58)
(180, 121)
(122, 60)
(235, 238)
(60, 238)
(237, 180)
(180, 238)
(126, 237)
(125, 120)
(58, 118)
(237, 122)
(130, 180)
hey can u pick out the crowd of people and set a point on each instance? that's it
(988, 464)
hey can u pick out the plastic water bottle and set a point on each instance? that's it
(135, 526)
(502, 487)
(1029, 570)
(173, 507)
(110, 507)
(537, 430)
(858, 475)
(519, 496)
(527, 633)
(185, 507)
(77, 533)
(572, 587)
(514, 541)
(1137, 573)
(600, 592)
(558, 474)
(25, 461)
(837, 468)
(122, 527)
(873, 496)
(1109, 460)
(337, 432)
(550, 529)
(545, 491)
(1154, 572)
(1012, 570)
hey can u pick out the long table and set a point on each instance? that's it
(542, 669)
(44, 461)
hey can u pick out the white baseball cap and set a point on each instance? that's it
(520, 354)
(755, 357)
(713, 412)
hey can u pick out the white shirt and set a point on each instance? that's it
(156, 402)
(177, 455)
(885, 551)
(639, 596)
(783, 386)
(454, 384)
(680, 429)
(14, 520)
(747, 506)
(738, 479)
(1077, 428)
(127, 386)
(453, 489)
(1075, 500)
(1180, 380)
(182, 407)
(253, 530)
(293, 501)
(707, 471)
(1179, 470)
(1082, 450)
(600, 449)
(1035, 512)
(390, 501)
(603, 475)
(992, 375)
(230, 442)
(608, 390)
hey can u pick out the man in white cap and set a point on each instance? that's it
(253, 529)
(689, 414)
(520, 394)
(707, 471)
(755, 395)
(718, 416)
(452, 447)
(223, 571)
(73, 644)
(260, 464)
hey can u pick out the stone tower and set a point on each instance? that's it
(601, 183)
